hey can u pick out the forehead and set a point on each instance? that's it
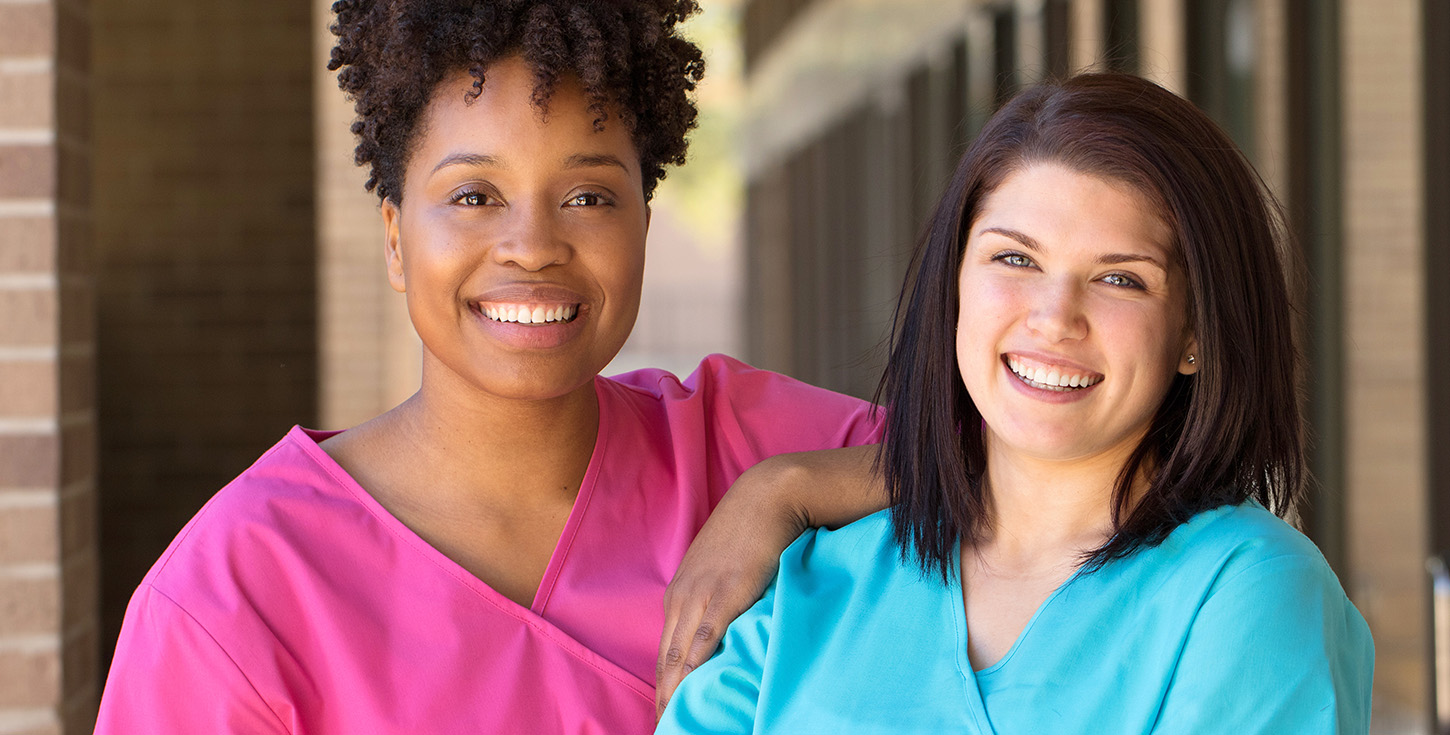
(1054, 203)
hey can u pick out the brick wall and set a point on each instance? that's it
(48, 557)
(205, 236)
(369, 356)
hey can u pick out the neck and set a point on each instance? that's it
(518, 451)
(1043, 509)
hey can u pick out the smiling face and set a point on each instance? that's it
(520, 239)
(1073, 319)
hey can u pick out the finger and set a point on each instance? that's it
(672, 620)
(684, 656)
(704, 641)
(674, 646)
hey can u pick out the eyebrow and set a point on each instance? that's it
(579, 160)
(586, 160)
(467, 159)
(1106, 259)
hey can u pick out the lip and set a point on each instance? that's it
(1047, 360)
(1042, 394)
(532, 293)
(530, 337)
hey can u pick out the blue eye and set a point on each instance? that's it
(1016, 260)
(1121, 281)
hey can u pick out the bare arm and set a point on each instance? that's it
(734, 557)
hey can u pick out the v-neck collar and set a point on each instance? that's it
(972, 678)
(534, 615)
(971, 687)
(565, 544)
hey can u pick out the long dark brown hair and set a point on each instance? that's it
(1227, 434)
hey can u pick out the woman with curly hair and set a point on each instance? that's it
(490, 555)
(1092, 432)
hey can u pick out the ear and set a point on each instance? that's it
(392, 245)
(1191, 359)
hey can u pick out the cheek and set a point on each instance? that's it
(436, 246)
(985, 314)
(628, 269)
(620, 273)
(978, 338)
(1151, 340)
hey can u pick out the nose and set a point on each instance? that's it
(1057, 311)
(531, 238)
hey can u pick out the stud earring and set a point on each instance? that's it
(1192, 360)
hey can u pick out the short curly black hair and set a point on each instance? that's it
(626, 54)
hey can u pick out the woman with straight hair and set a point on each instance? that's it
(1092, 437)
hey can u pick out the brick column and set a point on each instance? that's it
(48, 559)
(369, 357)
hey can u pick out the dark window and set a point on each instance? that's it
(1221, 60)
(1436, 43)
(1312, 197)
(763, 22)
(1120, 22)
(1004, 52)
(1057, 32)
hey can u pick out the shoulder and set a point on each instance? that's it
(247, 568)
(269, 511)
(1252, 574)
(823, 548)
(1229, 572)
(1233, 539)
(860, 555)
(722, 377)
(1267, 625)
(749, 412)
(851, 589)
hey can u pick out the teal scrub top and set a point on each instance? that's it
(1234, 624)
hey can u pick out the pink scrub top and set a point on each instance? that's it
(294, 603)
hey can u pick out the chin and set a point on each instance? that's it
(1046, 443)
(536, 382)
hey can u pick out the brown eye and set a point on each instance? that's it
(586, 199)
(471, 198)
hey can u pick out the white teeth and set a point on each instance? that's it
(525, 314)
(1051, 378)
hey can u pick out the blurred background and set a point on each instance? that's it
(189, 264)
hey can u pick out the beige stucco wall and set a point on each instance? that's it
(1384, 333)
